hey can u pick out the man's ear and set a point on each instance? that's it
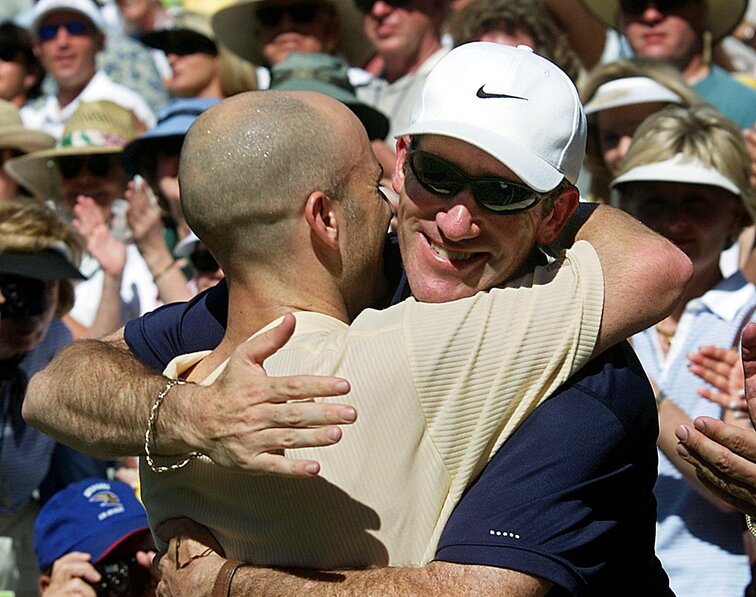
(323, 218)
(551, 226)
(43, 582)
(397, 179)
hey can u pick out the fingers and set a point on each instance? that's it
(726, 401)
(308, 414)
(724, 472)
(740, 441)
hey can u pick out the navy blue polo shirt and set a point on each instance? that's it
(568, 497)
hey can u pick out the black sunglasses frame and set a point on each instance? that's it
(636, 7)
(99, 165)
(487, 191)
(301, 14)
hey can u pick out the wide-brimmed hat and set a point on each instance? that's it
(87, 8)
(721, 17)
(236, 28)
(513, 104)
(678, 169)
(14, 135)
(328, 75)
(101, 127)
(94, 516)
(173, 121)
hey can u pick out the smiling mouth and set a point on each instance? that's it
(450, 255)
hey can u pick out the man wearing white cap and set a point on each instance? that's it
(460, 234)
(69, 34)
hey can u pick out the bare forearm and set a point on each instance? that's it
(166, 272)
(434, 579)
(586, 34)
(108, 317)
(95, 396)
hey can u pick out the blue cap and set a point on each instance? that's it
(93, 516)
(173, 121)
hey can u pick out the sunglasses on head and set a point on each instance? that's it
(442, 178)
(636, 7)
(300, 14)
(366, 6)
(96, 165)
(48, 32)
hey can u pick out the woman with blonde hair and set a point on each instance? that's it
(617, 97)
(686, 176)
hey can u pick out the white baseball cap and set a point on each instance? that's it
(629, 92)
(88, 8)
(679, 168)
(512, 104)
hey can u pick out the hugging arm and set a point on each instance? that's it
(96, 397)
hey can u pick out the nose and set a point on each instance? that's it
(61, 35)
(457, 223)
(651, 14)
(381, 9)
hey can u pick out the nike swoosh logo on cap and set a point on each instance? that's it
(485, 95)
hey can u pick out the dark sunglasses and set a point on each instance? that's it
(48, 32)
(97, 165)
(442, 178)
(366, 6)
(300, 14)
(636, 7)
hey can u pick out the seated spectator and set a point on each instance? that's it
(84, 176)
(92, 538)
(206, 272)
(514, 22)
(265, 31)
(20, 71)
(617, 97)
(200, 67)
(15, 141)
(74, 30)
(39, 255)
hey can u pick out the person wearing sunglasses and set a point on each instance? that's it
(69, 34)
(466, 219)
(406, 35)
(199, 66)
(265, 32)
(683, 33)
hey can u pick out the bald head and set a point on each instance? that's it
(249, 163)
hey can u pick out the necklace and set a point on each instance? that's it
(668, 335)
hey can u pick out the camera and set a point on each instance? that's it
(24, 297)
(123, 577)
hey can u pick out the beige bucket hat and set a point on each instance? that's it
(236, 29)
(720, 16)
(101, 127)
(14, 135)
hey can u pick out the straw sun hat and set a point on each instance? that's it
(101, 127)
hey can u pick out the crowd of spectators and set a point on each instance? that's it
(98, 96)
